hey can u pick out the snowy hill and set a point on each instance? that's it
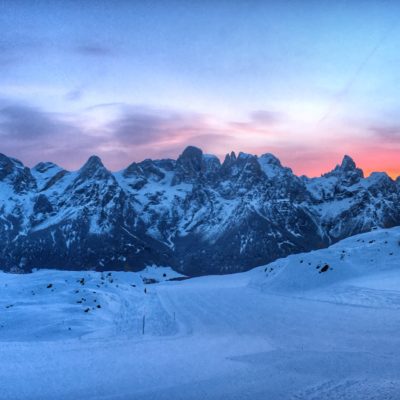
(293, 333)
(195, 214)
(372, 253)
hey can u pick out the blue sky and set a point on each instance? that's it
(306, 80)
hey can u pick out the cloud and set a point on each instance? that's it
(105, 105)
(260, 121)
(265, 117)
(144, 132)
(386, 132)
(35, 135)
(74, 95)
(94, 50)
(25, 122)
(216, 139)
(141, 126)
(144, 125)
(133, 133)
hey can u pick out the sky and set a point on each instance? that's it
(308, 81)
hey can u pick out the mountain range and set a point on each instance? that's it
(195, 214)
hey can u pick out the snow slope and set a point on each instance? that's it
(58, 305)
(346, 262)
(286, 334)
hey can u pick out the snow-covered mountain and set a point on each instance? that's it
(194, 214)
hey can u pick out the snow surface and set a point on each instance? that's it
(282, 331)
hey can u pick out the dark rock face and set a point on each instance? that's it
(16, 174)
(195, 214)
(190, 166)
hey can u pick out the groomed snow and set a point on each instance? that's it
(296, 333)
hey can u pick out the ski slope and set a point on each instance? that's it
(290, 333)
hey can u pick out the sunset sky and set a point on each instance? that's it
(308, 81)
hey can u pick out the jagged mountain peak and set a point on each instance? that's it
(272, 167)
(191, 159)
(233, 156)
(348, 163)
(95, 181)
(348, 166)
(16, 174)
(381, 180)
(189, 165)
(8, 165)
(229, 159)
(245, 156)
(94, 169)
(347, 172)
(146, 169)
(244, 171)
(269, 158)
(93, 162)
(132, 169)
(191, 152)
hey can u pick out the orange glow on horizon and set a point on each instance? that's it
(393, 173)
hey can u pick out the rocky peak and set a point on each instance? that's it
(16, 174)
(348, 164)
(270, 159)
(347, 172)
(133, 170)
(244, 170)
(8, 166)
(192, 157)
(229, 160)
(271, 166)
(189, 165)
(240, 161)
(381, 182)
(94, 169)
(94, 162)
(245, 156)
(282, 176)
(212, 166)
(151, 170)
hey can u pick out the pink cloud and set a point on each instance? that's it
(137, 133)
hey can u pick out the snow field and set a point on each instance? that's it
(285, 331)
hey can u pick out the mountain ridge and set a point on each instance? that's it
(195, 214)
